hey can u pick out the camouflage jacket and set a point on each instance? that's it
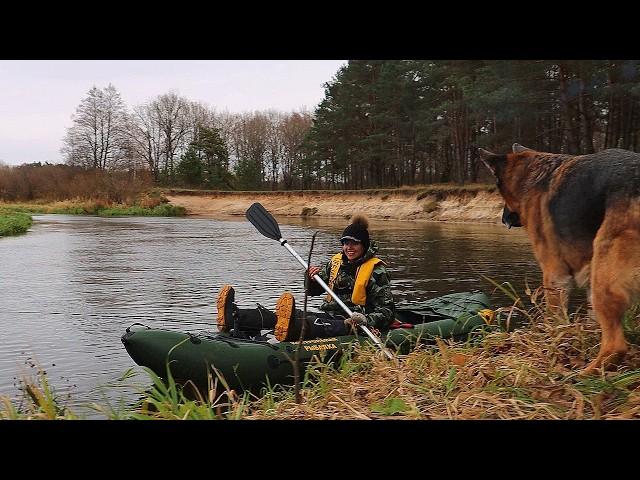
(379, 308)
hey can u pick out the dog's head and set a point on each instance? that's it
(510, 173)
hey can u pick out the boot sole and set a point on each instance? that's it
(221, 304)
(284, 314)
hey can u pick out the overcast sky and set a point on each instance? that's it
(38, 97)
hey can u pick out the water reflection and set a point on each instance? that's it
(72, 285)
(430, 259)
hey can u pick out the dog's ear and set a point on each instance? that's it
(491, 160)
(517, 148)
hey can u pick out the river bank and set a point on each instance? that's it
(15, 218)
(524, 374)
(446, 203)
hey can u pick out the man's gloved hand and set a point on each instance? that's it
(355, 320)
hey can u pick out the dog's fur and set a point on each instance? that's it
(582, 215)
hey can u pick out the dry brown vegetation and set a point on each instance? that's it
(48, 183)
(406, 190)
(528, 373)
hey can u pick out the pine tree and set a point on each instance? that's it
(214, 156)
(190, 168)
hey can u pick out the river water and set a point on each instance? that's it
(73, 284)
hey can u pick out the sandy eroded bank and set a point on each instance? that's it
(445, 204)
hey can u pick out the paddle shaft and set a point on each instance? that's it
(317, 278)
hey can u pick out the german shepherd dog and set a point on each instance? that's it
(582, 215)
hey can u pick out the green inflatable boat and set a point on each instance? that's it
(250, 363)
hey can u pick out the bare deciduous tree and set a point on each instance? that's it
(250, 137)
(98, 136)
(199, 115)
(171, 114)
(274, 145)
(146, 138)
(293, 129)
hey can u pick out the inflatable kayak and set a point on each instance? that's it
(250, 363)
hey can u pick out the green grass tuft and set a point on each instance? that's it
(100, 208)
(14, 223)
(162, 210)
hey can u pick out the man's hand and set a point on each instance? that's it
(313, 270)
(355, 320)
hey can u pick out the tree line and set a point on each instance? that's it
(381, 123)
(389, 123)
(184, 142)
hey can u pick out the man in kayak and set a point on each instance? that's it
(356, 276)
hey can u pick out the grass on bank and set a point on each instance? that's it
(14, 223)
(531, 372)
(15, 218)
(83, 207)
(421, 191)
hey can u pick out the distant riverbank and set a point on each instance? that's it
(450, 203)
(15, 218)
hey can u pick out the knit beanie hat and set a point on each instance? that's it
(357, 231)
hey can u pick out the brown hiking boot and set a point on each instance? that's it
(226, 308)
(285, 315)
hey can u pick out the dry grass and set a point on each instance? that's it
(406, 190)
(529, 373)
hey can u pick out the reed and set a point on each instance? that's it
(39, 401)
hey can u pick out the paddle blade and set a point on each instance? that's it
(263, 221)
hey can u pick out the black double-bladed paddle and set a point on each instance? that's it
(267, 226)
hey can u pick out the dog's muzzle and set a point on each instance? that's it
(510, 219)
